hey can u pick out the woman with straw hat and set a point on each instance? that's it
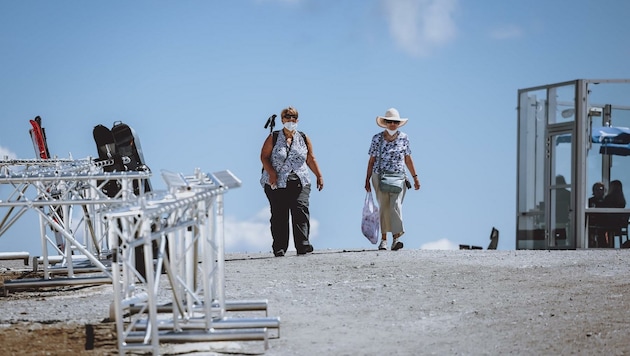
(390, 151)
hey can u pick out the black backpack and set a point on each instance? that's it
(275, 137)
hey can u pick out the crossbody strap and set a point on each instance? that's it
(380, 149)
(275, 139)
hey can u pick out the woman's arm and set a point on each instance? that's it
(368, 175)
(311, 162)
(412, 170)
(265, 158)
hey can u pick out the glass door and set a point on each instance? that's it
(559, 165)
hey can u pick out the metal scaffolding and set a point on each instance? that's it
(53, 189)
(178, 294)
(162, 251)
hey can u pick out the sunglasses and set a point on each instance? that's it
(392, 122)
(290, 116)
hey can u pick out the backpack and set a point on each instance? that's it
(275, 139)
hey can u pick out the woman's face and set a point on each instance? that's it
(392, 124)
(289, 116)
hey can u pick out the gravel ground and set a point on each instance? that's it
(407, 302)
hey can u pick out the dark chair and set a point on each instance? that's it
(619, 229)
(602, 234)
(494, 239)
(597, 236)
(470, 247)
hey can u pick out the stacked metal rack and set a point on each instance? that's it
(52, 188)
(180, 297)
(162, 251)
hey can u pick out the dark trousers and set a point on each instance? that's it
(293, 199)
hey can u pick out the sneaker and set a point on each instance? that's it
(383, 245)
(396, 245)
(279, 253)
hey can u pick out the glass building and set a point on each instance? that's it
(573, 157)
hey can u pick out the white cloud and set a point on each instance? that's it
(506, 32)
(253, 235)
(248, 236)
(5, 152)
(418, 26)
(442, 244)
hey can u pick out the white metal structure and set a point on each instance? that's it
(162, 251)
(52, 189)
(181, 235)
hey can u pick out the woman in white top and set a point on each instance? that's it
(286, 156)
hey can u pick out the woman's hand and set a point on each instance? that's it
(320, 183)
(273, 179)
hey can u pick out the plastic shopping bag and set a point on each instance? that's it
(371, 223)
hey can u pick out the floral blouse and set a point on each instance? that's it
(392, 154)
(286, 159)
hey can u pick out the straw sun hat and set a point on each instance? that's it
(392, 115)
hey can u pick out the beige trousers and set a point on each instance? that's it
(390, 208)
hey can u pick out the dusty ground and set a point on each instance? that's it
(409, 302)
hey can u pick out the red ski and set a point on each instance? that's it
(38, 135)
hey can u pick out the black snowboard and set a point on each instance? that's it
(130, 151)
(104, 143)
(122, 145)
(106, 148)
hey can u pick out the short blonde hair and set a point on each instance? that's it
(289, 110)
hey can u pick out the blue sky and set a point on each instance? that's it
(198, 79)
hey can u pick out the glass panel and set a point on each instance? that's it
(607, 167)
(608, 105)
(531, 151)
(620, 117)
(619, 163)
(594, 167)
(531, 184)
(561, 104)
(560, 194)
(616, 94)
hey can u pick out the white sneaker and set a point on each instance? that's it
(383, 245)
(396, 245)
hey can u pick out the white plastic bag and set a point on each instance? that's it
(371, 223)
